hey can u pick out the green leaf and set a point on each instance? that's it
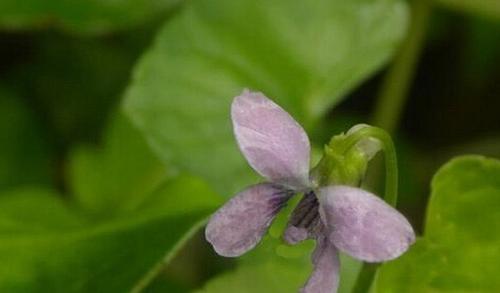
(47, 246)
(304, 54)
(24, 153)
(81, 16)
(117, 177)
(459, 251)
(22, 212)
(266, 277)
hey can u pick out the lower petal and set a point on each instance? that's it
(240, 224)
(363, 225)
(325, 275)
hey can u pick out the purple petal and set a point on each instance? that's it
(240, 224)
(325, 275)
(363, 225)
(273, 143)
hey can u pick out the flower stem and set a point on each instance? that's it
(391, 164)
(394, 90)
(365, 278)
(389, 107)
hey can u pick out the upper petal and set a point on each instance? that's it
(273, 143)
(240, 224)
(325, 275)
(363, 225)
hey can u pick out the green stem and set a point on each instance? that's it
(368, 270)
(365, 278)
(395, 87)
(390, 104)
(391, 164)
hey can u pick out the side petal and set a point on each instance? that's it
(273, 143)
(240, 224)
(325, 275)
(363, 225)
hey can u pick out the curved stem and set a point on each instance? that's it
(368, 270)
(390, 104)
(391, 164)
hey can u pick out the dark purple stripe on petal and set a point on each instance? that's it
(304, 220)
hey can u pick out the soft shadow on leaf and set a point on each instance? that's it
(485, 8)
(459, 251)
(118, 176)
(304, 54)
(80, 16)
(73, 83)
(24, 152)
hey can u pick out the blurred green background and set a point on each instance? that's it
(116, 143)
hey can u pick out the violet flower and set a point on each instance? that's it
(338, 217)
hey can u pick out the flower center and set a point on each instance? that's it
(304, 221)
(306, 212)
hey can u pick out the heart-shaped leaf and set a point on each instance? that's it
(304, 54)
